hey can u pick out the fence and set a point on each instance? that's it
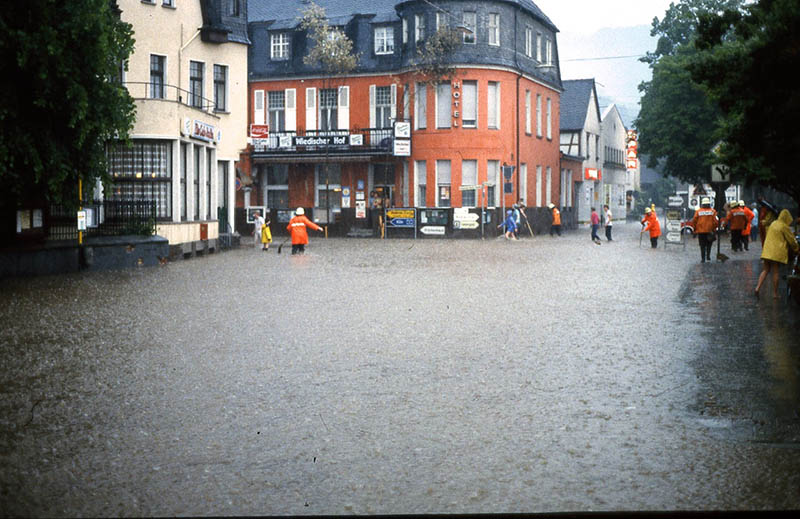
(103, 218)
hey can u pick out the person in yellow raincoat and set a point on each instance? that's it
(776, 250)
(266, 233)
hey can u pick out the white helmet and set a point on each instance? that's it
(741, 203)
(705, 200)
(734, 203)
(550, 206)
(300, 211)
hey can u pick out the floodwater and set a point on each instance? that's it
(402, 376)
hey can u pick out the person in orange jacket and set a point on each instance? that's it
(749, 214)
(297, 228)
(705, 224)
(555, 227)
(652, 225)
(737, 221)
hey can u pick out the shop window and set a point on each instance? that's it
(142, 172)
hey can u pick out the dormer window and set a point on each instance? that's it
(384, 40)
(470, 21)
(279, 46)
(234, 7)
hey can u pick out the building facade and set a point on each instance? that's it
(617, 182)
(333, 144)
(581, 131)
(188, 76)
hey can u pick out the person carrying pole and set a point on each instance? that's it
(705, 224)
(297, 228)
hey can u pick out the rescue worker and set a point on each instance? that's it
(555, 226)
(705, 224)
(737, 221)
(297, 228)
(652, 225)
(749, 214)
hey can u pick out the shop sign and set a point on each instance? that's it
(327, 140)
(402, 129)
(345, 198)
(402, 147)
(361, 209)
(593, 174)
(259, 131)
(202, 131)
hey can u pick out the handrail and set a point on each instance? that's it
(168, 92)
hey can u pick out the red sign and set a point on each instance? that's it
(632, 163)
(593, 174)
(259, 131)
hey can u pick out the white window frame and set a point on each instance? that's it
(442, 184)
(449, 94)
(523, 182)
(419, 27)
(470, 38)
(549, 185)
(469, 182)
(259, 98)
(493, 124)
(420, 179)
(538, 115)
(493, 175)
(549, 118)
(226, 88)
(420, 106)
(493, 25)
(405, 30)
(528, 41)
(384, 40)
(538, 186)
(279, 46)
(528, 112)
(472, 122)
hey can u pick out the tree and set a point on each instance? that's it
(332, 50)
(678, 122)
(61, 97)
(745, 63)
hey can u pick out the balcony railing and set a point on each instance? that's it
(355, 141)
(158, 91)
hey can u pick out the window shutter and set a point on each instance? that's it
(291, 109)
(372, 106)
(394, 102)
(311, 109)
(344, 108)
(258, 107)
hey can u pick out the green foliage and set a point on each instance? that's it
(746, 63)
(678, 122)
(431, 65)
(332, 50)
(61, 97)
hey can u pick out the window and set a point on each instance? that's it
(209, 165)
(277, 113)
(548, 53)
(421, 107)
(493, 112)
(258, 107)
(469, 177)
(196, 84)
(384, 40)
(469, 118)
(168, 3)
(234, 7)
(494, 29)
(421, 169)
(549, 118)
(538, 115)
(538, 186)
(549, 185)
(383, 106)
(279, 46)
(538, 46)
(523, 181)
(184, 169)
(277, 186)
(222, 188)
(329, 183)
(220, 88)
(157, 76)
(470, 21)
(328, 109)
(493, 176)
(443, 105)
(528, 112)
(419, 27)
(405, 31)
(443, 183)
(142, 172)
(528, 41)
(197, 170)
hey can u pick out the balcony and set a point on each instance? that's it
(146, 91)
(352, 144)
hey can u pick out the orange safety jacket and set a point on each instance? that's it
(297, 228)
(653, 225)
(737, 219)
(556, 217)
(749, 214)
(705, 220)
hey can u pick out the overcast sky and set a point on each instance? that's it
(586, 16)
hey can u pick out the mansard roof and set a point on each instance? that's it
(575, 101)
(287, 11)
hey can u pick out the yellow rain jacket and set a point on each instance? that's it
(779, 239)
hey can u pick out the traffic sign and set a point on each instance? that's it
(437, 230)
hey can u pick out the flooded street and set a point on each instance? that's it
(402, 376)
